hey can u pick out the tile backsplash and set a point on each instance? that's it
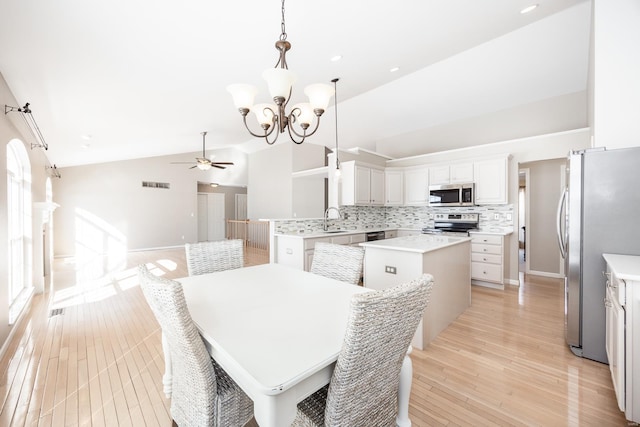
(415, 217)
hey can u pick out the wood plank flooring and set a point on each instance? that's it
(99, 363)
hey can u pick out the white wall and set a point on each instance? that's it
(273, 193)
(615, 83)
(104, 206)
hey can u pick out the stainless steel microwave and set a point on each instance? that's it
(452, 195)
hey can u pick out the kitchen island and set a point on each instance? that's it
(393, 261)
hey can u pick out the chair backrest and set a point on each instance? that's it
(340, 262)
(364, 388)
(194, 388)
(209, 257)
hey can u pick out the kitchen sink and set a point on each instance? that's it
(335, 231)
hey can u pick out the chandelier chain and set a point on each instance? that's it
(283, 35)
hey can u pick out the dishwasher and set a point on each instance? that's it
(374, 235)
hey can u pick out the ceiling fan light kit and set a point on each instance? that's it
(203, 163)
(280, 82)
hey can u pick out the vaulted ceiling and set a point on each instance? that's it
(130, 79)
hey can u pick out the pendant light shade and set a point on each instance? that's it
(279, 81)
(303, 113)
(319, 95)
(243, 95)
(264, 113)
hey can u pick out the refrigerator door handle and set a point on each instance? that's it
(561, 241)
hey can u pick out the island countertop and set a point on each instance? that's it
(421, 243)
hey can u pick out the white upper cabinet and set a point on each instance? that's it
(416, 186)
(376, 191)
(455, 173)
(460, 173)
(361, 185)
(394, 187)
(439, 175)
(490, 177)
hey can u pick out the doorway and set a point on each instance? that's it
(523, 215)
(211, 217)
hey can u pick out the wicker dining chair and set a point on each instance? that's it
(340, 262)
(363, 390)
(203, 394)
(209, 257)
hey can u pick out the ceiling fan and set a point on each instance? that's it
(203, 163)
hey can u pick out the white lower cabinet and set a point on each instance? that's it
(622, 306)
(297, 252)
(487, 260)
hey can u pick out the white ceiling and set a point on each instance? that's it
(145, 78)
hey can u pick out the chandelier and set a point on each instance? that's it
(273, 116)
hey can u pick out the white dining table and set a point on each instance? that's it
(277, 331)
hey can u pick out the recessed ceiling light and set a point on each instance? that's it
(528, 8)
(394, 69)
(213, 184)
(336, 58)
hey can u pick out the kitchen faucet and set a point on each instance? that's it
(325, 226)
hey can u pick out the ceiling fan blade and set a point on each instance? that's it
(221, 163)
(216, 166)
(181, 163)
(194, 166)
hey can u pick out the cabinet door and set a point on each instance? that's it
(614, 344)
(439, 175)
(376, 190)
(416, 186)
(490, 177)
(461, 173)
(393, 187)
(362, 185)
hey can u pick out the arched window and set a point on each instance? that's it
(19, 226)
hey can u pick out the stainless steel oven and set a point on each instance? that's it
(452, 195)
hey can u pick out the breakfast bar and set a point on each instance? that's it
(447, 258)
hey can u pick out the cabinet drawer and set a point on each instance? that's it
(341, 240)
(311, 243)
(488, 272)
(487, 239)
(488, 258)
(357, 238)
(486, 249)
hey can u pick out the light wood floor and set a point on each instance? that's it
(503, 362)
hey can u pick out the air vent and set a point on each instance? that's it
(150, 184)
(56, 312)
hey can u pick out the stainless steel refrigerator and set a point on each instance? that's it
(599, 212)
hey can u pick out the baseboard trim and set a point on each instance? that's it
(545, 274)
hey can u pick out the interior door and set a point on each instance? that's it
(216, 218)
(203, 217)
(241, 207)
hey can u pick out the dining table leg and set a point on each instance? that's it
(404, 390)
(167, 378)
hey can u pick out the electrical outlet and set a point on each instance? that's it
(496, 216)
(389, 269)
(509, 217)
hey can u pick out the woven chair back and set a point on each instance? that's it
(209, 257)
(364, 388)
(338, 262)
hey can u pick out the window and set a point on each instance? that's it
(19, 226)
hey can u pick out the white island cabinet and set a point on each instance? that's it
(391, 262)
(622, 305)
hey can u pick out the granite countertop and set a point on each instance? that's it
(626, 267)
(314, 234)
(421, 243)
(499, 231)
